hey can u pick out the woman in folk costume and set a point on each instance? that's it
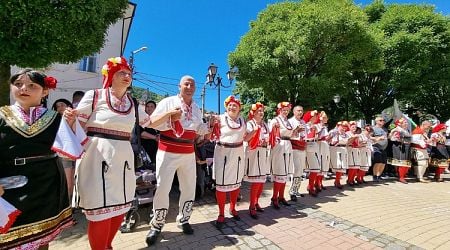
(105, 178)
(38, 192)
(281, 163)
(439, 153)
(365, 153)
(419, 144)
(338, 151)
(312, 151)
(257, 156)
(354, 158)
(229, 166)
(401, 139)
(324, 150)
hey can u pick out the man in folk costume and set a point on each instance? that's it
(299, 153)
(401, 139)
(338, 151)
(324, 149)
(281, 152)
(354, 158)
(229, 166)
(419, 143)
(311, 119)
(257, 156)
(439, 153)
(176, 155)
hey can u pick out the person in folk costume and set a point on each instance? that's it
(338, 151)
(176, 154)
(257, 156)
(365, 153)
(281, 163)
(439, 153)
(401, 139)
(419, 144)
(311, 119)
(38, 207)
(298, 151)
(354, 154)
(229, 166)
(104, 176)
(324, 149)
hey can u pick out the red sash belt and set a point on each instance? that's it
(170, 143)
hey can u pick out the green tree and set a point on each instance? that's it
(415, 45)
(38, 33)
(301, 52)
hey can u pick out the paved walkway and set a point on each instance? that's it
(390, 215)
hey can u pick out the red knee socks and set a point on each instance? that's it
(101, 233)
(337, 181)
(221, 197)
(311, 181)
(361, 174)
(254, 189)
(233, 199)
(281, 191)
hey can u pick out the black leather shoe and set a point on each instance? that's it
(283, 202)
(259, 208)
(187, 229)
(235, 215)
(152, 236)
(301, 195)
(293, 197)
(253, 213)
(274, 203)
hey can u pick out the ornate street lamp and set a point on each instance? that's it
(212, 78)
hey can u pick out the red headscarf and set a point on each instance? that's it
(231, 99)
(113, 65)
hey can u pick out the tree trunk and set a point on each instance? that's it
(5, 74)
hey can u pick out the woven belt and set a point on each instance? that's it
(173, 139)
(230, 145)
(285, 138)
(22, 161)
(108, 136)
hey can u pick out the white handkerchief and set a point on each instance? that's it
(67, 142)
(8, 214)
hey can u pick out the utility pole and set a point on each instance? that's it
(203, 95)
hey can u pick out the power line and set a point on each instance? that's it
(164, 77)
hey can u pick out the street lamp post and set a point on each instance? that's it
(337, 100)
(213, 78)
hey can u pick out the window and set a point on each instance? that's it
(88, 64)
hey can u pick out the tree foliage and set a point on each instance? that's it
(306, 52)
(38, 33)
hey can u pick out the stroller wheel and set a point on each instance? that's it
(131, 221)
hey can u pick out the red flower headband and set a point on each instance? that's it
(439, 127)
(231, 99)
(50, 82)
(399, 121)
(113, 65)
(310, 114)
(253, 109)
(283, 105)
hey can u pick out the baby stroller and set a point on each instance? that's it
(145, 189)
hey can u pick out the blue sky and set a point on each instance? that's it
(184, 37)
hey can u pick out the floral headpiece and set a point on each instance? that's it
(253, 109)
(310, 114)
(399, 121)
(231, 99)
(50, 82)
(283, 105)
(113, 65)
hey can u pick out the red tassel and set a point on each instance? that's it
(273, 136)
(177, 128)
(254, 142)
(215, 134)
